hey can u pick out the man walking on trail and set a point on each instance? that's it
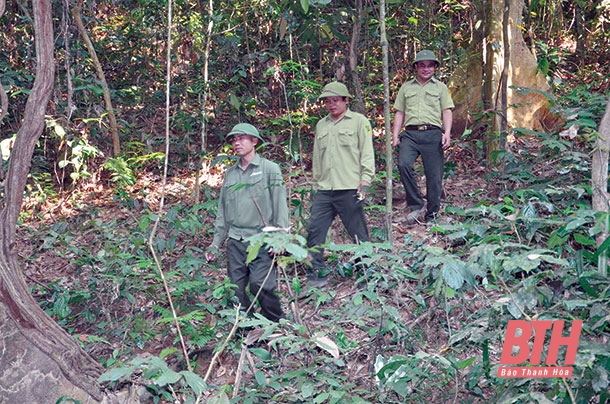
(253, 195)
(343, 168)
(425, 108)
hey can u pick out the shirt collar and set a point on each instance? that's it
(433, 79)
(256, 161)
(348, 114)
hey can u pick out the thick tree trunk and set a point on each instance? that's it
(39, 361)
(480, 81)
(599, 182)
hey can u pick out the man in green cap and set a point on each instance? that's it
(343, 167)
(253, 196)
(425, 108)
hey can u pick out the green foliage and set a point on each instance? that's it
(156, 371)
(495, 260)
(124, 169)
(121, 174)
(413, 322)
(77, 152)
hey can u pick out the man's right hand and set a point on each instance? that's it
(210, 254)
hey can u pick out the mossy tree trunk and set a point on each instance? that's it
(40, 362)
(498, 61)
(599, 184)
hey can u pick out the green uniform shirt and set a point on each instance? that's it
(423, 105)
(238, 215)
(343, 152)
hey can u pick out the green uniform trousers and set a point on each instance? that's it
(426, 143)
(254, 273)
(326, 206)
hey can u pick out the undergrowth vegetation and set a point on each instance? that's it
(424, 323)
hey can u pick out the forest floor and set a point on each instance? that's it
(44, 265)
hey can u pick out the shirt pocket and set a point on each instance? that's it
(433, 96)
(323, 140)
(231, 190)
(347, 138)
(411, 94)
(256, 185)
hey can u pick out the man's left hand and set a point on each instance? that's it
(363, 189)
(446, 141)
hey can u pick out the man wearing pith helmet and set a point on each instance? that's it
(252, 197)
(422, 127)
(343, 168)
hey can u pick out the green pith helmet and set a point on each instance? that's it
(334, 89)
(426, 55)
(244, 129)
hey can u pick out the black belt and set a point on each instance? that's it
(421, 127)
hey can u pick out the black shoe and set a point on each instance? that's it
(415, 216)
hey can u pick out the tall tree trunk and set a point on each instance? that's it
(204, 101)
(40, 362)
(494, 68)
(358, 104)
(509, 68)
(599, 182)
(386, 118)
(466, 80)
(114, 130)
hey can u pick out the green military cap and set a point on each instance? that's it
(335, 89)
(426, 55)
(244, 129)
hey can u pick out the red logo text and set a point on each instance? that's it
(538, 329)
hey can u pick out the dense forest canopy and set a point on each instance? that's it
(265, 58)
(111, 247)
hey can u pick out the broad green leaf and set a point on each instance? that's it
(485, 255)
(261, 353)
(234, 101)
(296, 284)
(307, 389)
(399, 381)
(458, 234)
(167, 377)
(253, 250)
(556, 240)
(584, 240)
(320, 398)
(261, 379)
(573, 304)
(296, 251)
(466, 363)
(61, 306)
(167, 351)
(520, 262)
(194, 381)
(116, 374)
(452, 274)
(576, 223)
